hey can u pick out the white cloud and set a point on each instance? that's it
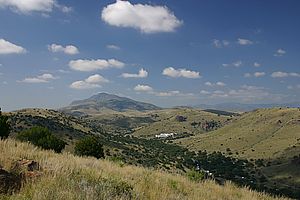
(7, 47)
(69, 49)
(284, 74)
(256, 64)
(142, 74)
(96, 79)
(28, 6)
(175, 73)
(244, 41)
(113, 47)
(259, 74)
(280, 52)
(204, 92)
(143, 88)
(237, 63)
(91, 82)
(245, 93)
(220, 44)
(167, 94)
(93, 65)
(44, 78)
(146, 18)
(219, 83)
(208, 83)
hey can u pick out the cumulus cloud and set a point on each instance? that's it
(148, 89)
(28, 6)
(142, 74)
(175, 73)
(69, 49)
(7, 47)
(219, 83)
(143, 88)
(241, 41)
(205, 92)
(284, 74)
(237, 63)
(113, 47)
(219, 44)
(167, 94)
(91, 82)
(280, 52)
(259, 74)
(146, 18)
(256, 64)
(246, 93)
(44, 78)
(93, 65)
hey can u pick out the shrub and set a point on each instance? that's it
(89, 146)
(4, 126)
(43, 138)
(196, 175)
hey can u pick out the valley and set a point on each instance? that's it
(260, 147)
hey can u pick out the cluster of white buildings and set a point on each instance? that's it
(165, 135)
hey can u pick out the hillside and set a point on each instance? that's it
(273, 174)
(263, 133)
(64, 177)
(196, 122)
(270, 137)
(103, 102)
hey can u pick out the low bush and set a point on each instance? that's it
(90, 146)
(43, 138)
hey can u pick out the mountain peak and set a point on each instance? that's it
(103, 100)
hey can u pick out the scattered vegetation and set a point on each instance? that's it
(43, 138)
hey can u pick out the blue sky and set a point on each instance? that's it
(165, 52)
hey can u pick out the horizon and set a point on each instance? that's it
(161, 52)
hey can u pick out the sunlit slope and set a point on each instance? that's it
(264, 133)
(166, 122)
(64, 177)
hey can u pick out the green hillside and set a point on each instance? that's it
(264, 133)
(166, 121)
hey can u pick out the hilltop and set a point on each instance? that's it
(106, 102)
(64, 176)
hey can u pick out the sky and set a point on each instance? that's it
(169, 53)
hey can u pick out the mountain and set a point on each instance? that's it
(240, 107)
(104, 101)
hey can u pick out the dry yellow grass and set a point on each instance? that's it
(69, 177)
(264, 133)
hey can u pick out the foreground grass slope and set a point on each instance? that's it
(69, 177)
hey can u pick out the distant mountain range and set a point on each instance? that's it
(104, 101)
(244, 107)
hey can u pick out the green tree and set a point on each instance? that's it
(43, 138)
(4, 126)
(89, 146)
